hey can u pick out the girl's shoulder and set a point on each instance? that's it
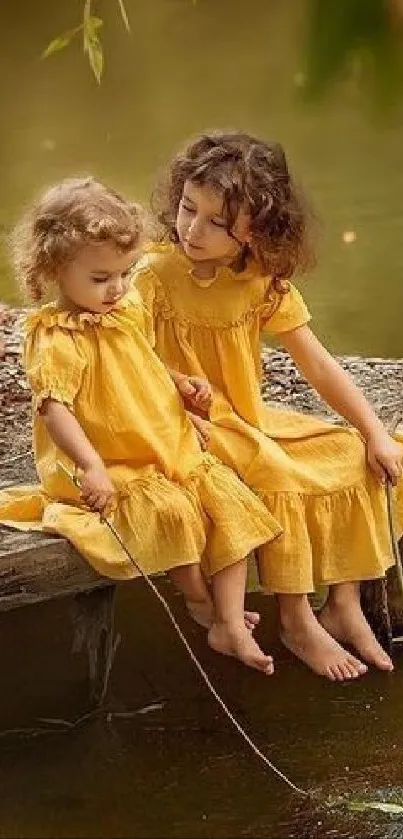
(161, 259)
(50, 349)
(48, 328)
(42, 317)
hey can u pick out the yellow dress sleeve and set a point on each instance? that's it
(147, 285)
(283, 311)
(53, 366)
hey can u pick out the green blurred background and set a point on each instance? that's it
(324, 78)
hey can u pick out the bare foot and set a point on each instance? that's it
(346, 623)
(252, 619)
(237, 641)
(304, 636)
(203, 613)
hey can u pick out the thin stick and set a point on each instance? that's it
(191, 654)
(391, 517)
(393, 537)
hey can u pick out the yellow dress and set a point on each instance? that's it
(175, 504)
(311, 474)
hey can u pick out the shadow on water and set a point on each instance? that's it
(162, 761)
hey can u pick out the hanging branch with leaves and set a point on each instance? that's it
(92, 46)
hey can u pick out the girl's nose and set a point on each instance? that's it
(117, 288)
(195, 228)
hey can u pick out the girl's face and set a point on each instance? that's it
(202, 227)
(96, 278)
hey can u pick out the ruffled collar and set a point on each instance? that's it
(222, 272)
(52, 315)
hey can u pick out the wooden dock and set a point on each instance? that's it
(36, 567)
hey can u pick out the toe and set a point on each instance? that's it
(354, 672)
(330, 674)
(266, 665)
(358, 665)
(339, 672)
(249, 625)
(254, 617)
(386, 663)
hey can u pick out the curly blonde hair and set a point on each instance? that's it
(70, 215)
(248, 173)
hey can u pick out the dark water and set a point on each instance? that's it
(162, 761)
(179, 769)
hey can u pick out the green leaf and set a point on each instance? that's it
(87, 10)
(383, 806)
(60, 42)
(91, 25)
(96, 58)
(94, 22)
(124, 15)
(91, 42)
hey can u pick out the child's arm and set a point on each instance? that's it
(337, 388)
(97, 489)
(196, 393)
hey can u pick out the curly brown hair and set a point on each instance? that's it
(70, 215)
(250, 173)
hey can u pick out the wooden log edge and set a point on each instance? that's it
(35, 567)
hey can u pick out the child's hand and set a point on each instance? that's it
(385, 456)
(97, 489)
(195, 392)
(202, 429)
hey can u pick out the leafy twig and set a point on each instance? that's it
(124, 15)
(92, 45)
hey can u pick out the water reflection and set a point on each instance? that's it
(178, 769)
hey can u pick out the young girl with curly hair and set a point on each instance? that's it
(104, 404)
(235, 231)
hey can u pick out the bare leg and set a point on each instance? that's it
(343, 618)
(228, 634)
(302, 633)
(190, 581)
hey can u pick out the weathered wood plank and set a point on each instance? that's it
(35, 567)
(93, 621)
(382, 602)
(375, 605)
(395, 601)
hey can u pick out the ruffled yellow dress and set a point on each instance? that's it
(176, 505)
(312, 475)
